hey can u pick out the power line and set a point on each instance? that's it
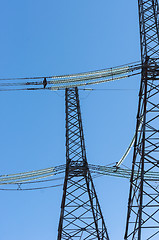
(60, 82)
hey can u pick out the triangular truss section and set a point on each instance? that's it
(81, 217)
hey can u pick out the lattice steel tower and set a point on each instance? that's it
(143, 204)
(81, 216)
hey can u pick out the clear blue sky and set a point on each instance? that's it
(47, 37)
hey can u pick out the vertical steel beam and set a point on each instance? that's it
(143, 203)
(81, 216)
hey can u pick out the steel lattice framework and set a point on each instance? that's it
(143, 204)
(81, 216)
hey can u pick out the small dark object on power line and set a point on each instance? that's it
(44, 82)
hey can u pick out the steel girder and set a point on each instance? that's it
(81, 216)
(143, 204)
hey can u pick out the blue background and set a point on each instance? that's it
(58, 37)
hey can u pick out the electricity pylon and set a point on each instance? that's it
(81, 216)
(143, 204)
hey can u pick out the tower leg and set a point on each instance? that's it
(143, 204)
(81, 216)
